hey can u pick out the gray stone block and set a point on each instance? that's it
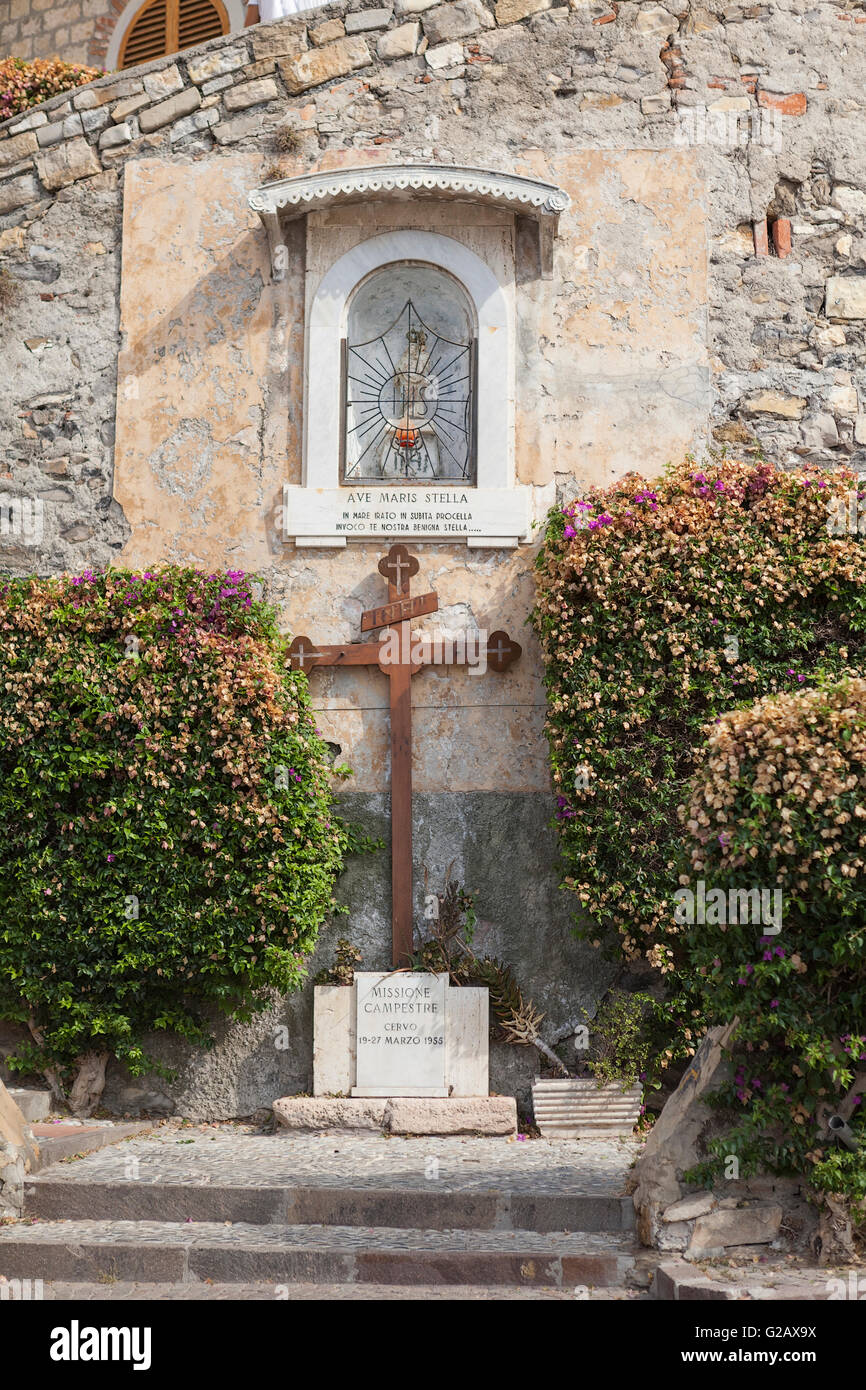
(129, 107)
(30, 122)
(690, 1208)
(362, 20)
(241, 128)
(163, 83)
(755, 1225)
(11, 151)
(400, 42)
(97, 1262)
(169, 111)
(50, 134)
(98, 119)
(34, 1105)
(16, 193)
(199, 120)
(251, 94)
(67, 162)
(468, 1115)
(90, 97)
(116, 135)
(321, 1113)
(55, 1200)
(203, 67)
(233, 1264)
(448, 22)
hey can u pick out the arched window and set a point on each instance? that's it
(161, 27)
(408, 378)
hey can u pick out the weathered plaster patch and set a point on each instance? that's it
(189, 469)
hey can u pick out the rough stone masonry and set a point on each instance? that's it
(709, 290)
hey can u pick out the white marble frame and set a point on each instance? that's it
(326, 327)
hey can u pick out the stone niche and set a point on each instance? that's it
(458, 224)
(400, 1033)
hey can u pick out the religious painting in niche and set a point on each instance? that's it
(409, 379)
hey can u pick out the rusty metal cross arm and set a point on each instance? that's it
(398, 567)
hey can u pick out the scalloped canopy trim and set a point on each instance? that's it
(374, 181)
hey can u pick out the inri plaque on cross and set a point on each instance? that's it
(400, 660)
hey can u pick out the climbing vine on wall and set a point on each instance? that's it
(778, 804)
(703, 637)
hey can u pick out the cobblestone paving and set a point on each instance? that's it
(205, 1154)
(332, 1238)
(270, 1293)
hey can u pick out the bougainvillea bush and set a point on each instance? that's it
(780, 800)
(24, 84)
(167, 843)
(661, 607)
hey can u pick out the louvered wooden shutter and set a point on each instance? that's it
(199, 20)
(166, 26)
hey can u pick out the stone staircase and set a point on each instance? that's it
(180, 1208)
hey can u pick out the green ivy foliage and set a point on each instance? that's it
(621, 1041)
(779, 802)
(659, 608)
(168, 847)
(843, 1174)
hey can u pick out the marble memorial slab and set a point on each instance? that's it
(478, 516)
(400, 1034)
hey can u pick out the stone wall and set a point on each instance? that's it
(785, 333)
(695, 142)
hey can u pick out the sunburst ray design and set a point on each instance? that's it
(409, 405)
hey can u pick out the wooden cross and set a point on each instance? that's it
(398, 567)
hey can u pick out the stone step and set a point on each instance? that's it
(434, 1207)
(173, 1252)
(193, 1292)
(202, 1173)
(59, 1140)
(678, 1281)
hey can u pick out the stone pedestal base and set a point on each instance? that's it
(492, 1115)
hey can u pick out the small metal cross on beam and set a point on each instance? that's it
(398, 567)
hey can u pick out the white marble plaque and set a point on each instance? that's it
(400, 1034)
(478, 516)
